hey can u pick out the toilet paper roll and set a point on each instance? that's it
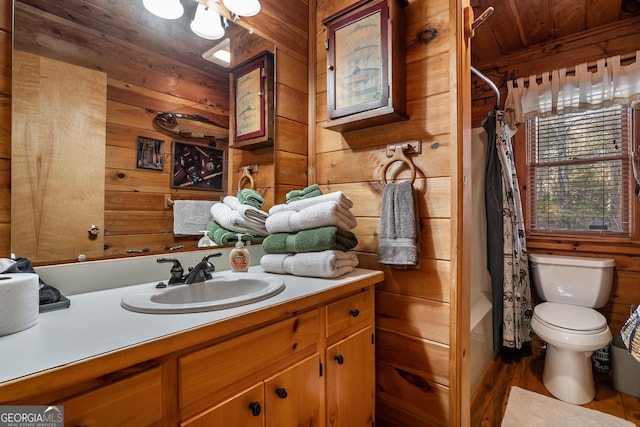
(19, 302)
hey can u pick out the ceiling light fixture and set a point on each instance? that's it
(166, 9)
(242, 7)
(219, 54)
(207, 23)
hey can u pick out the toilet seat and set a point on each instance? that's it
(570, 318)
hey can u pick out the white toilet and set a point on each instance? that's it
(571, 288)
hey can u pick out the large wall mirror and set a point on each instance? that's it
(117, 67)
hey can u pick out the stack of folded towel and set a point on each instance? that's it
(310, 235)
(241, 214)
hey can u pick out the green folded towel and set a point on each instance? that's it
(310, 191)
(250, 197)
(222, 236)
(311, 240)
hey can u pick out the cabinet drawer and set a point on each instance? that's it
(205, 372)
(350, 313)
(134, 401)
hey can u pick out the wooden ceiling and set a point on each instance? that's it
(126, 22)
(518, 25)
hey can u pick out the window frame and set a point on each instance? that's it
(524, 172)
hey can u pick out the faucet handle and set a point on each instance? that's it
(215, 254)
(177, 271)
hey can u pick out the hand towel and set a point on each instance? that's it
(313, 240)
(234, 221)
(399, 226)
(248, 211)
(337, 196)
(320, 215)
(222, 236)
(326, 264)
(630, 334)
(306, 193)
(251, 197)
(190, 217)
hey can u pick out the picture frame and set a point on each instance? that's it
(358, 61)
(365, 85)
(197, 167)
(150, 153)
(252, 102)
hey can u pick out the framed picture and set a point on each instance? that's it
(150, 154)
(365, 65)
(252, 103)
(197, 167)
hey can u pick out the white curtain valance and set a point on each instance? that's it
(558, 93)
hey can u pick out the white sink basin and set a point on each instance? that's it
(225, 290)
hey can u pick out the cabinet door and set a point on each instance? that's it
(243, 410)
(294, 396)
(351, 381)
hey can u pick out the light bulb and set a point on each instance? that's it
(166, 9)
(243, 7)
(207, 23)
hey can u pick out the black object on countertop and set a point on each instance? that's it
(48, 294)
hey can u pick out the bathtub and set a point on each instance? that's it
(481, 347)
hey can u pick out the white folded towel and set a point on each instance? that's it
(250, 212)
(190, 217)
(234, 221)
(320, 215)
(329, 264)
(337, 196)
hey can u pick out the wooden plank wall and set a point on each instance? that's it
(412, 306)
(284, 166)
(5, 128)
(135, 213)
(620, 39)
(135, 216)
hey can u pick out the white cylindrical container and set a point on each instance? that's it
(19, 302)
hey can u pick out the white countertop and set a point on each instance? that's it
(96, 324)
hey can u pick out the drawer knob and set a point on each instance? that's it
(354, 313)
(338, 358)
(281, 392)
(255, 408)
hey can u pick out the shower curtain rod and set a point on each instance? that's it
(488, 81)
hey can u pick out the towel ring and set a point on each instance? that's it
(246, 175)
(399, 156)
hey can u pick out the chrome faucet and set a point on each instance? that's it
(202, 271)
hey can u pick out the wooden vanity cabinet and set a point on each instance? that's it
(305, 363)
(290, 398)
(244, 409)
(133, 401)
(350, 361)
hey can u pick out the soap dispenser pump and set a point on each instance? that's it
(205, 240)
(239, 256)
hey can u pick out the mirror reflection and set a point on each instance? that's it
(89, 77)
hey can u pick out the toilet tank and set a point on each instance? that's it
(572, 280)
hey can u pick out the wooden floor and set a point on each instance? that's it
(524, 369)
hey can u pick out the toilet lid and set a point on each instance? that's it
(571, 317)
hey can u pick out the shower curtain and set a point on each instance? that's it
(506, 244)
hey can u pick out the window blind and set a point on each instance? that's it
(579, 172)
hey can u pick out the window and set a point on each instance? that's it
(579, 172)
